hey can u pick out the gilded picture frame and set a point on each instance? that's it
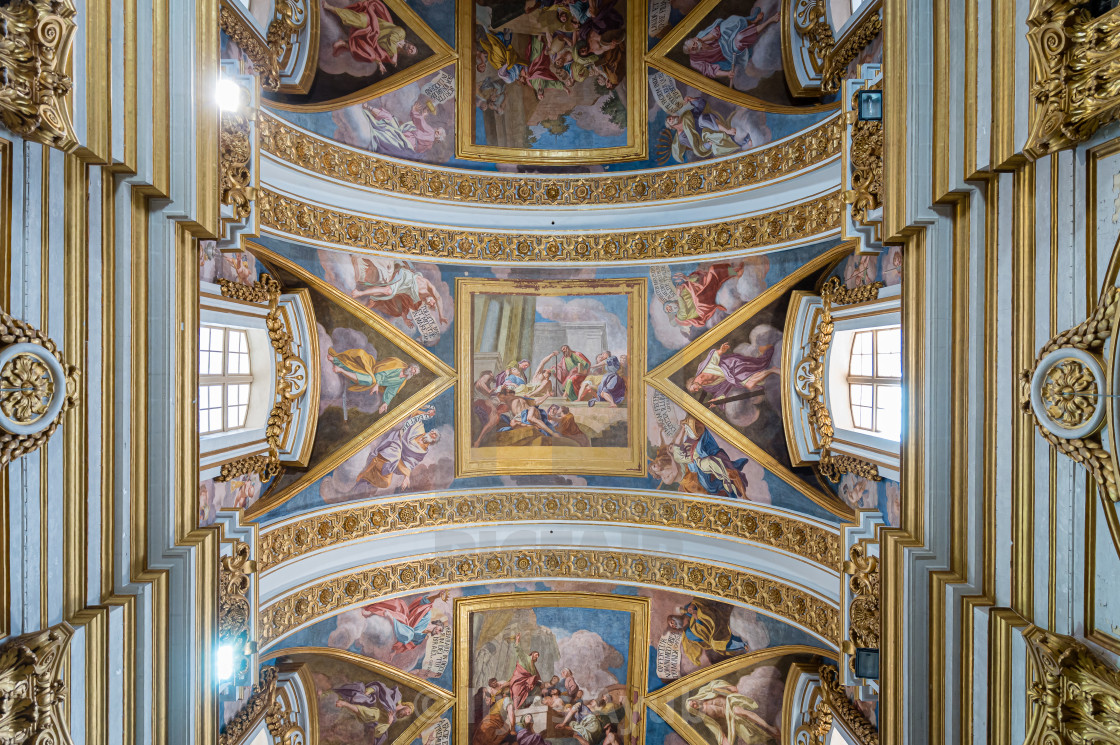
(638, 655)
(637, 125)
(608, 461)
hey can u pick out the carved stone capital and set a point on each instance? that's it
(1075, 73)
(1073, 697)
(37, 388)
(35, 41)
(32, 688)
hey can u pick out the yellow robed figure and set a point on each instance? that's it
(385, 377)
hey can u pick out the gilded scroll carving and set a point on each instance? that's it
(335, 161)
(288, 215)
(810, 373)
(33, 688)
(863, 612)
(289, 541)
(332, 595)
(1060, 392)
(235, 146)
(266, 54)
(234, 610)
(36, 37)
(265, 291)
(851, 718)
(848, 48)
(37, 388)
(1075, 73)
(260, 701)
(866, 166)
(1073, 697)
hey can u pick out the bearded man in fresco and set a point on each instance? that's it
(400, 452)
(725, 44)
(385, 378)
(707, 628)
(412, 622)
(525, 676)
(373, 35)
(571, 370)
(725, 374)
(696, 293)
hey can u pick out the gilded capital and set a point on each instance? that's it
(35, 41)
(1075, 73)
(33, 688)
(1073, 697)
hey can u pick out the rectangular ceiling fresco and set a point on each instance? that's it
(428, 445)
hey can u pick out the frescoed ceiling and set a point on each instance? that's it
(549, 87)
(541, 532)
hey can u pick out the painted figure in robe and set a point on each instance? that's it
(572, 368)
(707, 627)
(726, 43)
(725, 374)
(730, 716)
(400, 453)
(707, 467)
(696, 293)
(388, 134)
(385, 378)
(373, 36)
(702, 132)
(412, 622)
(375, 704)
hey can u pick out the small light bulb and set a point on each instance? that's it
(228, 95)
(224, 662)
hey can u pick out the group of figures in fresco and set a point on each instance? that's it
(552, 663)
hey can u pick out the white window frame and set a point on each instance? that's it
(875, 380)
(224, 380)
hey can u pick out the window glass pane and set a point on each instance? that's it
(861, 417)
(209, 408)
(238, 354)
(888, 345)
(889, 405)
(237, 400)
(861, 394)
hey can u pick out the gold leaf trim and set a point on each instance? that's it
(333, 160)
(288, 542)
(851, 718)
(290, 216)
(863, 613)
(33, 681)
(327, 597)
(1073, 697)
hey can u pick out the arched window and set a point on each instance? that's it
(875, 381)
(224, 379)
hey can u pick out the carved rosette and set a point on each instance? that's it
(1064, 392)
(1075, 73)
(810, 374)
(862, 570)
(1073, 697)
(35, 41)
(33, 688)
(842, 708)
(37, 387)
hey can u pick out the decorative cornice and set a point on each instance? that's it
(33, 688)
(363, 585)
(288, 215)
(1075, 73)
(851, 718)
(260, 701)
(863, 612)
(333, 160)
(1073, 697)
(39, 387)
(35, 41)
(1056, 392)
(265, 291)
(290, 541)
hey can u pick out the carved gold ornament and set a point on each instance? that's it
(234, 609)
(1075, 73)
(331, 596)
(866, 164)
(810, 372)
(810, 21)
(842, 708)
(847, 49)
(333, 160)
(287, 215)
(33, 688)
(260, 701)
(863, 612)
(1073, 697)
(35, 41)
(265, 291)
(1069, 391)
(37, 388)
(268, 54)
(289, 541)
(1061, 391)
(235, 147)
